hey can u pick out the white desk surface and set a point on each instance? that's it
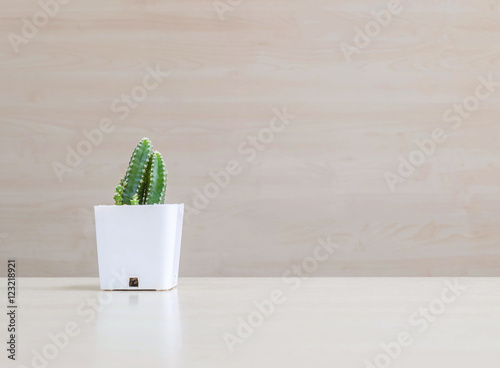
(325, 322)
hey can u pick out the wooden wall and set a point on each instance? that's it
(324, 174)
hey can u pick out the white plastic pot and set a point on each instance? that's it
(138, 247)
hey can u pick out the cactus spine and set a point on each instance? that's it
(145, 181)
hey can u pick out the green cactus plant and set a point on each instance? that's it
(135, 199)
(157, 181)
(119, 194)
(145, 181)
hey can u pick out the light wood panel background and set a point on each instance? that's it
(323, 175)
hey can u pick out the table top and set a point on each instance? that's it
(259, 322)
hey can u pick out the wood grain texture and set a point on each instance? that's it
(326, 322)
(322, 175)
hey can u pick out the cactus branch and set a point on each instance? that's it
(157, 181)
(135, 200)
(162, 198)
(119, 195)
(136, 173)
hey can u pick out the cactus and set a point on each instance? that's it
(119, 194)
(136, 173)
(145, 181)
(134, 200)
(157, 181)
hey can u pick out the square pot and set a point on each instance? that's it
(138, 247)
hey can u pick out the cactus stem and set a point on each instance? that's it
(145, 179)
